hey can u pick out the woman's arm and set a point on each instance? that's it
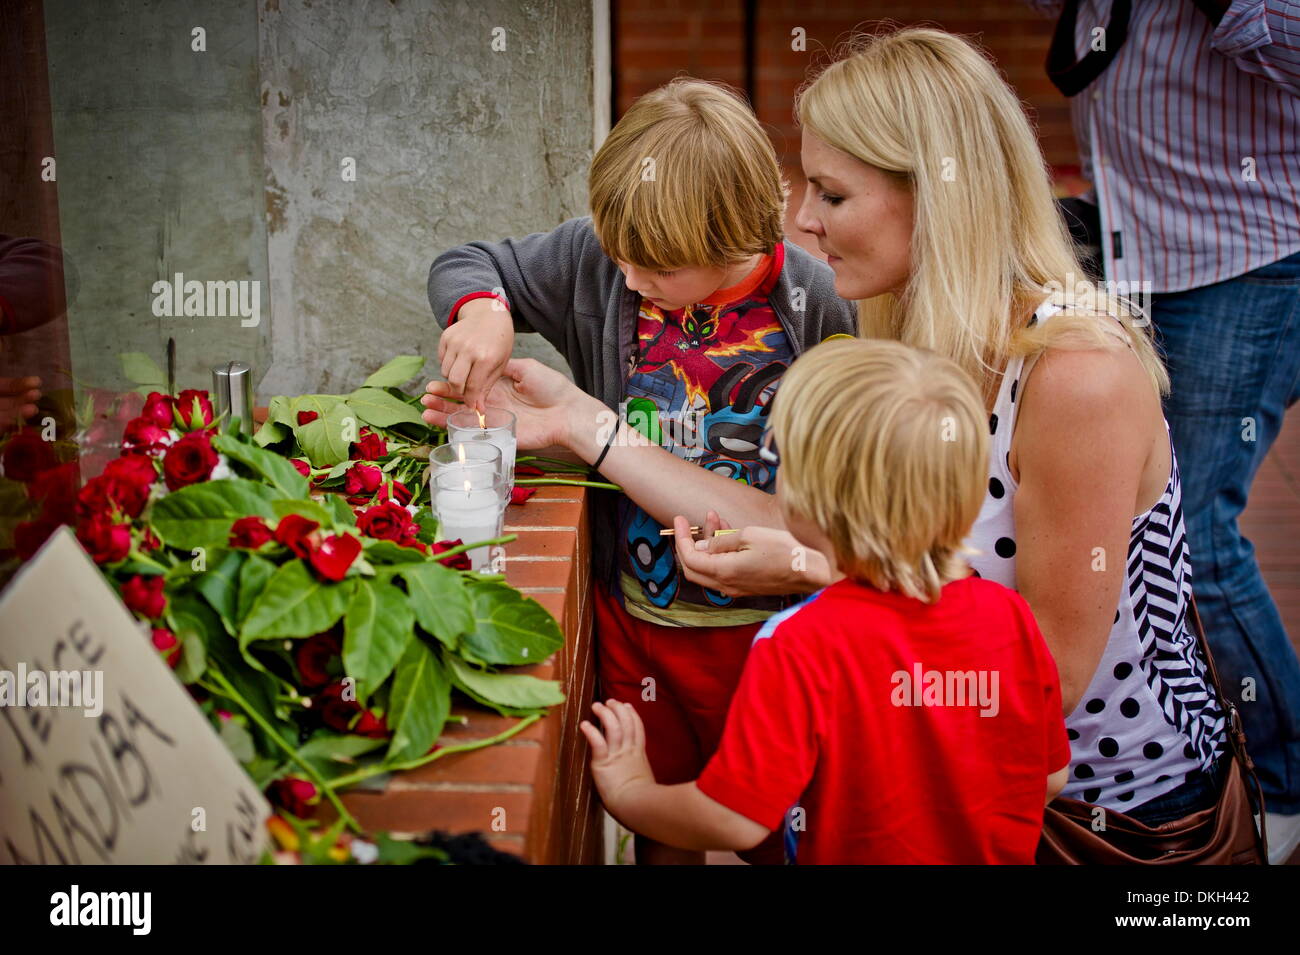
(1082, 442)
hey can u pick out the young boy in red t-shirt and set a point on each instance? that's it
(907, 713)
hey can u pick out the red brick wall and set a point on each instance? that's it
(656, 40)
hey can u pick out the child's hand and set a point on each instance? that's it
(618, 760)
(473, 352)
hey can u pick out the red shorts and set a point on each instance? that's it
(695, 672)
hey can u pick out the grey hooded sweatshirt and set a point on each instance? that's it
(561, 285)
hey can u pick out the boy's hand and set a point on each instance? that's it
(618, 760)
(540, 398)
(473, 352)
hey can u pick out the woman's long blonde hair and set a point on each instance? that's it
(988, 243)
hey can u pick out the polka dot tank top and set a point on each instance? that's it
(1149, 716)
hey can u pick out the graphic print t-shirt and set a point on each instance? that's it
(700, 383)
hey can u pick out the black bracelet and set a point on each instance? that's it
(608, 444)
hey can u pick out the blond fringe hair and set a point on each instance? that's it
(687, 177)
(987, 246)
(885, 449)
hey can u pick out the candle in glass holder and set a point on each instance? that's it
(465, 457)
(470, 506)
(495, 426)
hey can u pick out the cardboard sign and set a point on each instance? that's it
(104, 758)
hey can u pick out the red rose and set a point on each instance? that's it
(166, 643)
(193, 409)
(160, 409)
(144, 595)
(105, 541)
(26, 455)
(399, 493)
(29, 536)
(376, 727)
(361, 482)
(149, 540)
(314, 656)
(528, 470)
(101, 495)
(335, 555)
(369, 446)
(386, 522)
(189, 461)
(520, 494)
(295, 532)
(134, 469)
(57, 487)
(456, 562)
(144, 437)
(307, 417)
(250, 533)
(294, 795)
(302, 466)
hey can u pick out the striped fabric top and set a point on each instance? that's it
(1149, 716)
(1191, 139)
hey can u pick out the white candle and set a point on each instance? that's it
(470, 515)
(499, 438)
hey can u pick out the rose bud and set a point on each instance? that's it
(189, 461)
(369, 446)
(519, 495)
(387, 521)
(361, 482)
(302, 466)
(144, 595)
(26, 455)
(193, 410)
(314, 656)
(295, 532)
(294, 794)
(528, 470)
(105, 541)
(399, 493)
(250, 533)
(160, 409)
(335, 555)
(57, 488)
(104, 494)
(335, 712)
(166, 643)
(457, 561)
(149, 540)
(135, 469)
(307, 417)
(143, 436)
(30, 536)
(376, 727)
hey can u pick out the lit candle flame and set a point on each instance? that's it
(482, 419)
(467, 487)
(460, 449)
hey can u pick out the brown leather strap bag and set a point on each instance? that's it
(1223, 834)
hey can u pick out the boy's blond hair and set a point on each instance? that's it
(885, 448)
(687, 177)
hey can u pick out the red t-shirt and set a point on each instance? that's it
(838, 715)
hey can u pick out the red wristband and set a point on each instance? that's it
(455, 309)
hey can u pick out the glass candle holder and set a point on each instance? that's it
(470, 505)
(465, 456)
(496, 428)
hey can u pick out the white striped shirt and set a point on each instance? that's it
(1191, 140)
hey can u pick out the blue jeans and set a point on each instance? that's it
(1233, 354)
(1199, 791)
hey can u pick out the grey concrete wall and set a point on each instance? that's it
(452, 140)
(159, 171)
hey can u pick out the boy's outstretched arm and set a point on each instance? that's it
(678, 815)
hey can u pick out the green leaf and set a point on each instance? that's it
(294, 604)
(378, 625)
(271, 466)
(271, 432)
(419, 704)
(252, 581)
(311, 510)
(440, 601)
(197, 627)
(515, 690)
(238, 740)
(508, 627)
(380, 409)
(341, 511)
(200, 515)
(194, 657)
(325, 440)
(220, 585)
(334, 754)
(390, 552)
(404, 852)
(141, 369)
(257, 688)
(280, 410)
(396, 372)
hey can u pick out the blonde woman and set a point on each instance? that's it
(928, 193)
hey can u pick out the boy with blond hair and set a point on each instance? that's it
(907, 713)
(678, 304)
